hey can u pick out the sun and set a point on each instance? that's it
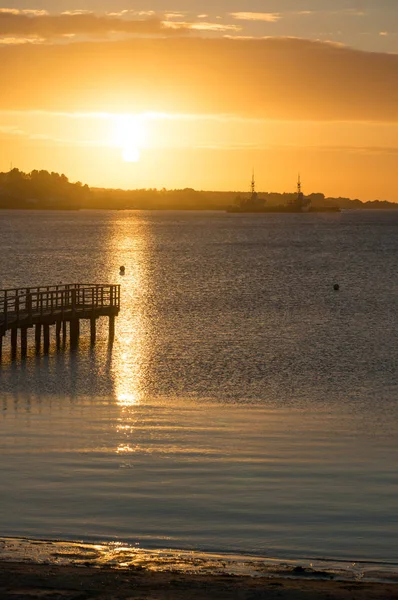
(130, 135)
(131, 154)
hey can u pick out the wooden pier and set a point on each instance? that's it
(41, 307)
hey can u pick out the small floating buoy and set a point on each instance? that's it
(336, 287)
(122, 270)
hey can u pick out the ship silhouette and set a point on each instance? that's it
(255, 204)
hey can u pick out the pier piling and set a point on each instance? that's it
(46, 338)
(93, 330)
(14, 342)
(24, 342)
(58, 326)
(111, 329)
(37, 337)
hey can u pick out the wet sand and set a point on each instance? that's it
(39, 581)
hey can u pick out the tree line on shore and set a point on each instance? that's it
(40, 189)
(45, 190)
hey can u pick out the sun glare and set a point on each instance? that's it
(131, 154)
(130, 134)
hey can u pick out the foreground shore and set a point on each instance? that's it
(38, 581)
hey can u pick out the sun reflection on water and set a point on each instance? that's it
(128, 247)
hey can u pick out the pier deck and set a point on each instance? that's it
(41, 307)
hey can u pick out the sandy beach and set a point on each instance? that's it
(19, 581)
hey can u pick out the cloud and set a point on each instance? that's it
(257, 16)
(142, 13)
(11, 130)
(17, 11)
(174, 15)
(19, 23)
(353, 12)
(200, 26)
(274, 17)
(364, 150)
(273, 78)
(16, 41)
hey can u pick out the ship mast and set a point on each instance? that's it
(301, 202)
(253, 185)
(300, 195)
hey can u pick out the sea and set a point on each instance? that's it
(247, 412)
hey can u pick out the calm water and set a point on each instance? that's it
(244, 407)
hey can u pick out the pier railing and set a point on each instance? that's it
(23, 303)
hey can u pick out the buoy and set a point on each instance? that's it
(122, 270)
(336, 287)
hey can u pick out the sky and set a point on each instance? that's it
(189, 93)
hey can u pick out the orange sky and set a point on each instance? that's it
(199, 112)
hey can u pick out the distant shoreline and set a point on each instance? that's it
(41, 190)
(392, 208)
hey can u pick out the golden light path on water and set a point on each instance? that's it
(128, 248)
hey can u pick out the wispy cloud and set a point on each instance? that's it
(148, 116)
(29, 12)
(200, 26)
(344, 11)
(39, 24)
(351, 149)
(174, 15)
(18, 41)
(11, 130)
(256, 16)
(274, 17)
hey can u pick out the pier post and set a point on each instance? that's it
(63, 333)
(46, 338)
(111, 295)
(72, 327)
(29, 306)
(73, 301)
(93, 330)
(58, 333)
(1, 347)
(24, 342)
(14, 341)
(37, 337)
(74, 332)
(111, 328)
